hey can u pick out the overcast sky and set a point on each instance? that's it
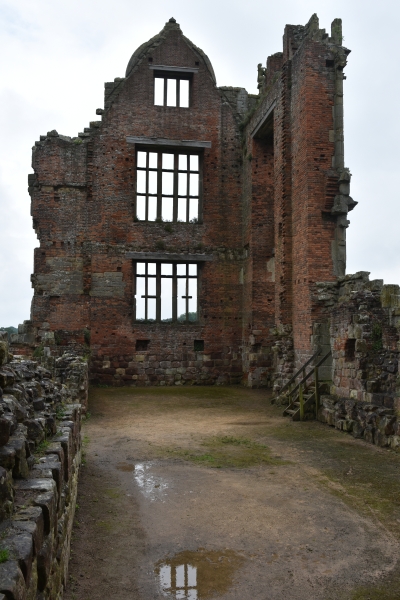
(57, 54)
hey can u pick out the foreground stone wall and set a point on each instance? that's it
(40, 456)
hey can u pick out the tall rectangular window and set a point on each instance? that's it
(168, 186)
(172, 89)
(166, 292)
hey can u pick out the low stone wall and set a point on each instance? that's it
(166, 368)
(375, 423)
(40, 456)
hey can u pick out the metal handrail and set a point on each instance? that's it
(302, 368)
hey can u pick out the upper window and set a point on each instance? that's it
(172, 89)
(167, 186)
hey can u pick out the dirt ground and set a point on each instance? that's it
(197, 493)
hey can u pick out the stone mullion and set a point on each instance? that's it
(178, 92)
(200, 198)
(175, 191)
(146, 291)
(187, 187)
(147, 187)
(187, 293)
(165, 91)
(159, 184)
(174, 293)
(158, 292)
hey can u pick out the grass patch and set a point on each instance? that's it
(363, 476)
(105, 525)
(4, 555)
(228, 452)
(368, 477)
(60, 412)
(42, 447)
(112, 493)
(387, 591)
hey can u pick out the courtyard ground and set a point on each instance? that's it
(208, 492)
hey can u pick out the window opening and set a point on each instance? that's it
(350, 350)
(198, 345)
(142, 345)
(166, 292)
(167, 186)
(172, 89)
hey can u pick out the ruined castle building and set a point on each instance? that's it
(182, 235)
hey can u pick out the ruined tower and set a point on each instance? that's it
(182, 236)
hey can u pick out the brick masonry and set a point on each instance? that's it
(275, 197)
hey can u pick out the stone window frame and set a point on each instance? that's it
(176, 197)
(158, 276)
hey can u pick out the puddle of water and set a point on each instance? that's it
(197, 575)
(152, 487)
(125, 467)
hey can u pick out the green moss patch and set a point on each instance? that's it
(228, 452)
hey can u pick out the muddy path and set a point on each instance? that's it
(197, 493)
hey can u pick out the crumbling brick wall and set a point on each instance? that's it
(273, 207)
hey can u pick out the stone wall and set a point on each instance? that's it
(365, 342)
(40, 456)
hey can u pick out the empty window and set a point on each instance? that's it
(167, 186)
(172, 89)
(166, 292)
(142, 345)
(350, 350)
(198, 346)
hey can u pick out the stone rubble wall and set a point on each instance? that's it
(365, 340)
(283, 357)
(40, 456)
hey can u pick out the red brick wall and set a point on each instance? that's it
(99, 222)
(267, 196)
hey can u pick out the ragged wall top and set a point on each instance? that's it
(83, 205)
(300, 109)
(99, 165)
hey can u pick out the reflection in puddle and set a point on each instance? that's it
(181, 580)
(197, 575)
(151, 486)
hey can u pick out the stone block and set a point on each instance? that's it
(369, 434)
(45, 497)
(5, 430)
(35, 430)
(358, 430)
(12, 582)
(20, 546)
(44, 562)
(7, 457)
(395, 442)
(31, 520)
